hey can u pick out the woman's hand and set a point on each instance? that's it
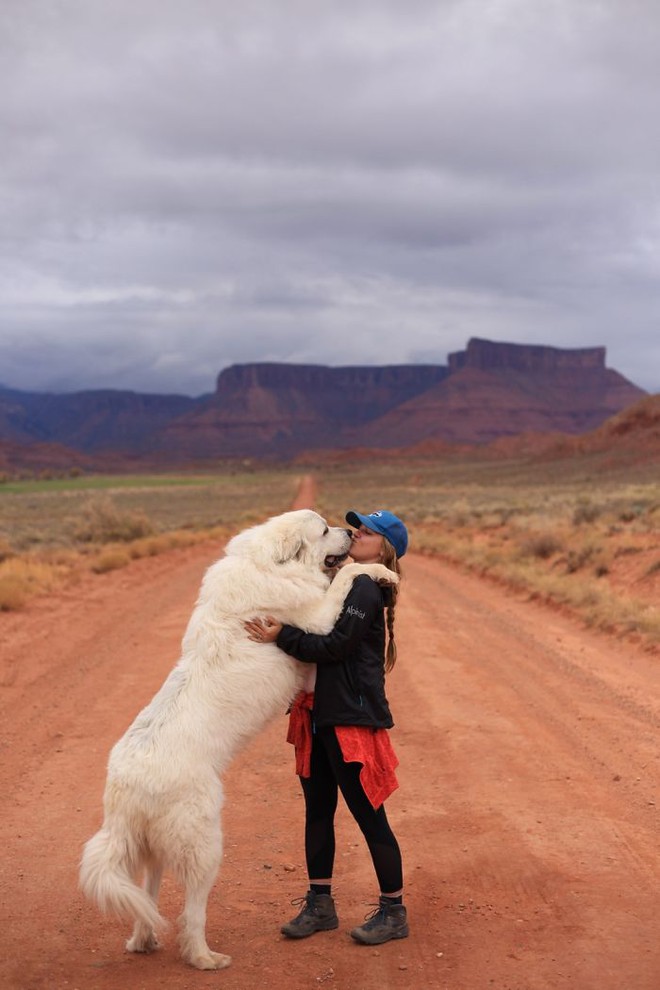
(263, 630)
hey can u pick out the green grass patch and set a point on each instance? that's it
(104, 482)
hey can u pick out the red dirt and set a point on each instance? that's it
(526, 811)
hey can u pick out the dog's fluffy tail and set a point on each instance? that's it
(105, 877)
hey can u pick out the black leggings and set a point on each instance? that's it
(329, 773)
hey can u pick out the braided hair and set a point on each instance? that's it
(390, 560)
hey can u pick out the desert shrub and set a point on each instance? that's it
(151, 546)
(14, 592)
(586, 512)
(505, 515)
(635, 510)
(154, 545)
(577, 559)
(542, 545)
(22, 577)
(457, 520)
(111, 559)
(626, 551)
(103, 522)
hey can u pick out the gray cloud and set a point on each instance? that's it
(186, 186)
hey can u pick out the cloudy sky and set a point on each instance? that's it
(187, 184)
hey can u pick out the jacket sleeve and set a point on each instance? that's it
(360, 607)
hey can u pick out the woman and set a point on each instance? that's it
(341, 738)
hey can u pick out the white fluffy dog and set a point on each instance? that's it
(163, 793)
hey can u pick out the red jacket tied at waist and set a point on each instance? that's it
(358, 743)
(300, 731)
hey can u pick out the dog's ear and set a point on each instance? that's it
(268, 543)
(289, 547)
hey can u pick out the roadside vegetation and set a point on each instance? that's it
(590, 544)
(53, 530)
(586, 540)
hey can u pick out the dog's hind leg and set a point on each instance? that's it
(198, 868)
(144, 937)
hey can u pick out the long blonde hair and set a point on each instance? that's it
(391, 561)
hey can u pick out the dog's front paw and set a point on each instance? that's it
(381, 574)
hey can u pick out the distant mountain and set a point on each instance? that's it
(630, 437)
(88, 421)
(496, 390)
(637, 426)
(276, 411)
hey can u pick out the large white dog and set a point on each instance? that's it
(163, 794)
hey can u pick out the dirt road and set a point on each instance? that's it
(527, 808)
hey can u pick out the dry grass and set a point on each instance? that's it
(591, 544)
(23, 577)
(102, 521)
(53, 532)
(111, 559)
(82, 510)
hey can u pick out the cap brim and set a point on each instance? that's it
(356, 520)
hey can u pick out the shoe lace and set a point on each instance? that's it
(377, 913)
(302, 902)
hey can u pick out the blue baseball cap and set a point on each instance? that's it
(385, 523)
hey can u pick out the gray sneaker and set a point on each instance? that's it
(318, 915)
(386, 922)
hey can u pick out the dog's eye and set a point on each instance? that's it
(326, 531)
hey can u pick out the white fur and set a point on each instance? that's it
(163, 794)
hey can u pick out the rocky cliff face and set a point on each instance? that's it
(342, 395)
(478, 405)
(398, 379)
(490, 355)
(498, 389)
(487, 391)
(278, 409)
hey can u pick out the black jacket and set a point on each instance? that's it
(350, 677)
